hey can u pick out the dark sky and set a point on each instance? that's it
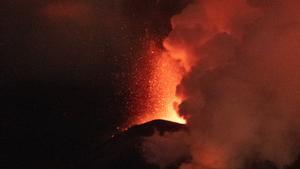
(65, 69)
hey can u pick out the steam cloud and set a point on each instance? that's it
(243, 90)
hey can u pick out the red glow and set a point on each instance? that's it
(164, 74)
(75, 11)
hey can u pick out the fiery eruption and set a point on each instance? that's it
(162, 78)
(240, 82)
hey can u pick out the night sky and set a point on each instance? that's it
(65, 70)
(84, 82)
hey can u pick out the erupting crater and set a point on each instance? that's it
(161, 77)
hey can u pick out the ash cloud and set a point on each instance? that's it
(242, 92)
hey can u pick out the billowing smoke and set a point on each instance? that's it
(242, 90)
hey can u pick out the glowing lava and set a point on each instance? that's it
(163, 76)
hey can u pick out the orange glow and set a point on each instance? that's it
(70, 11)
(165, 74)
(179, 55)
(210, 156)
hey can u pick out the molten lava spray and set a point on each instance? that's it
(241, 82)
(163, 74)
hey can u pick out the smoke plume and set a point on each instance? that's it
(242, 86)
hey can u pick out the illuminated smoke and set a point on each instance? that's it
(242, 83)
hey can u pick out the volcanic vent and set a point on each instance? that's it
(231, 69)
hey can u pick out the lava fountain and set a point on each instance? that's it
(161, 77)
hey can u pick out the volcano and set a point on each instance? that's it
(150, 84)
(124, 149)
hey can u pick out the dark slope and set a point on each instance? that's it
(123, 150)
